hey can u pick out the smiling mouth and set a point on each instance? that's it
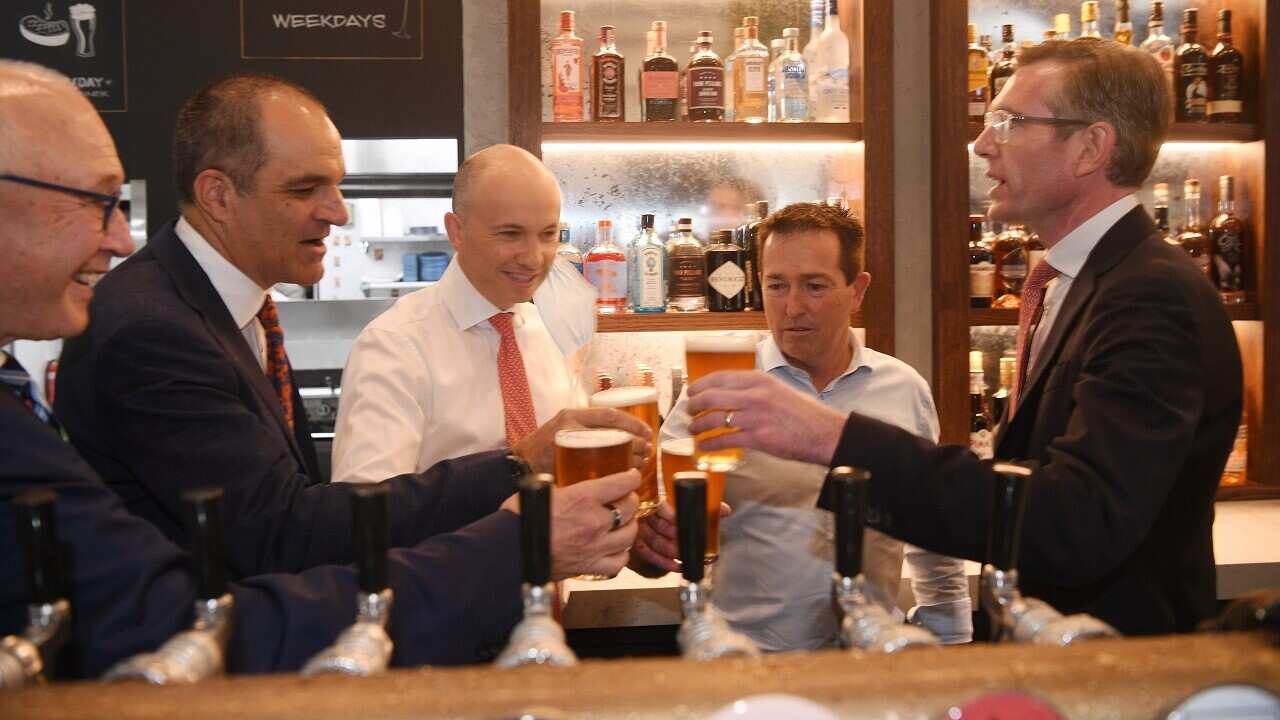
(522, 278)
(88, 278)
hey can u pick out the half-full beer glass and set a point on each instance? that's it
(703, 356)
(642, 403)
(715, 493)
(588, 454)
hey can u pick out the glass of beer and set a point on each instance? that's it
(642, 403)
(715, 493)
(703, 356)
(590, 453)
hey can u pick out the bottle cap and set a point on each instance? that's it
(975, 361)
(646, 220)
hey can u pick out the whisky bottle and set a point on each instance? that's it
(830, 71)
(1011, 266)
(980, 425)
(750, 66)
(686, 270)
(1191, 68)
(1236, 470)
(1089, 19)
(1157, 43)
(751, 245)
(1226, 76)
(1000, 398)
(606, 268)
(982, 267)
(705, 78)
(1035, 251)
(1226, 239)
(647, 260)
(566, 72)
(1161, 192)
(977, 64)
(567, 250)
(1124, 26)
(726, 278)
(1003, 69)
(659, 80)
(608, 79)
(1192, 238)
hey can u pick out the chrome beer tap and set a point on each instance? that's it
(864, 623)
(538, 639)
(704, 634)
(1014, 617)
(365, 647)
(199, 653)
(29, 658)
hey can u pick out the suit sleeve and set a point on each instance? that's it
(1135, 402)
(172, 408)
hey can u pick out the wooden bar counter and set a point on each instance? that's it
(1114, 679)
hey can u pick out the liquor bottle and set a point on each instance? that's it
(1000, 398)
(751, 245)
(1226, 76)
(659, 80)
(705, 79)
(1089, 19)
(1191, 68)
(830, 71)
(726, 278)
(977, 64)
(980, 425)
(647, 260)
(1124, 26)
(606, 268)
(1035, 251)
(686, 270)
(750, 66)
(682, 110)
(1236, 471)
(1003, 69)
(1161, 192)
(1192, 238)
(608, 79)
(776, 47)
(1226, 239)
(817, 18)
(567, 250)
(1157, 43)
(982, 267)
(739, 37)
(1062, 26)
(1011, 266)
(992, 55)
(567, 51)
(791, 78)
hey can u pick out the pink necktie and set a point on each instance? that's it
(517, 401)
(1029, 312)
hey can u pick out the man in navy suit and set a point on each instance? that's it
(456, 586)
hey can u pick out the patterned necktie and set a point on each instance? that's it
(15, 378)
(1029, 314)
(277, 360)
(517, 401)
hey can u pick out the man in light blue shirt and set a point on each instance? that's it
(773, 578)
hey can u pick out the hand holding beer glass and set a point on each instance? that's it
(677, 462)
(591, 453)
(703, 356)
(642, 404)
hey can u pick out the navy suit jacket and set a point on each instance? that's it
(1127, 419)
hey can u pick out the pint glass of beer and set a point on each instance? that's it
(703, 356)
(591, 453)
(642, 403)
(715, 493)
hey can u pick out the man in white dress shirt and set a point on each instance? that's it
(773, 577)
(419, 383)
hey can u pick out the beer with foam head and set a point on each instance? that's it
(715, 493)
(703, 356)
(641, 403)
(590, 453)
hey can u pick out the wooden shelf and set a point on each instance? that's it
(1188, 132)
(678, 322)
(1003, 316)
(700, 132)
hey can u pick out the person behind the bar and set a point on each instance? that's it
(182, 380)
(1129, 385)
(773, 577)
(471, 364)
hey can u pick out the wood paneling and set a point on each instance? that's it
(877, 75)
(524, 82)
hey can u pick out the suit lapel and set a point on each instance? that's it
(196, 290)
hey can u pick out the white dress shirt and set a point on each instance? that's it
(773, 578)
(242, 296)
(1068, 257)
(421, 383)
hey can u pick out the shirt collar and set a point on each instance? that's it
(1070, 253)
(242, 296)
(771, 358)
(465, 303)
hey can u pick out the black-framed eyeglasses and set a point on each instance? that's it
(1002, 122)
(109, 202)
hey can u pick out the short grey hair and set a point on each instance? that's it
(18, 79)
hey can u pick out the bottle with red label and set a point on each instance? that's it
(567, 49)
(659, 80)
(606, 268)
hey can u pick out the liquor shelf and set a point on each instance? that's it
(1189, 132)
(1004, 316)
(656, 132)
(677, 321)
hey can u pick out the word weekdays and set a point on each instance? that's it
(297, 21)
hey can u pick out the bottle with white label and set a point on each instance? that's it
(791, 78)
(704, 79)
(606, 268)
(817, 18)
(686, 270)
(750, 66)
(726, 274)
(647, 268)
(830, 71)
(980, 434)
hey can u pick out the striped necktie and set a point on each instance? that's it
(277, 360)
(15, 378)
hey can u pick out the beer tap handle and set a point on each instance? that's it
(535, 528)
(37, 533)
(691, 523)
(370, 536)
(851, 487)
(1007, 509)
(203, 511)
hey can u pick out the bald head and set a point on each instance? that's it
(35, 103)
(473, 183)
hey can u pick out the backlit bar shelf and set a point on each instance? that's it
(677, 321)
(1188, 132)
(659, 132)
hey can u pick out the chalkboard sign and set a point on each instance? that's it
(331, 29)
(83, 40)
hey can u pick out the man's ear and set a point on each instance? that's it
(453, 226)
(214, 193)
(1096, 144)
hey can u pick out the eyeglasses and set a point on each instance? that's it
(1002, 122)
(109, 202)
